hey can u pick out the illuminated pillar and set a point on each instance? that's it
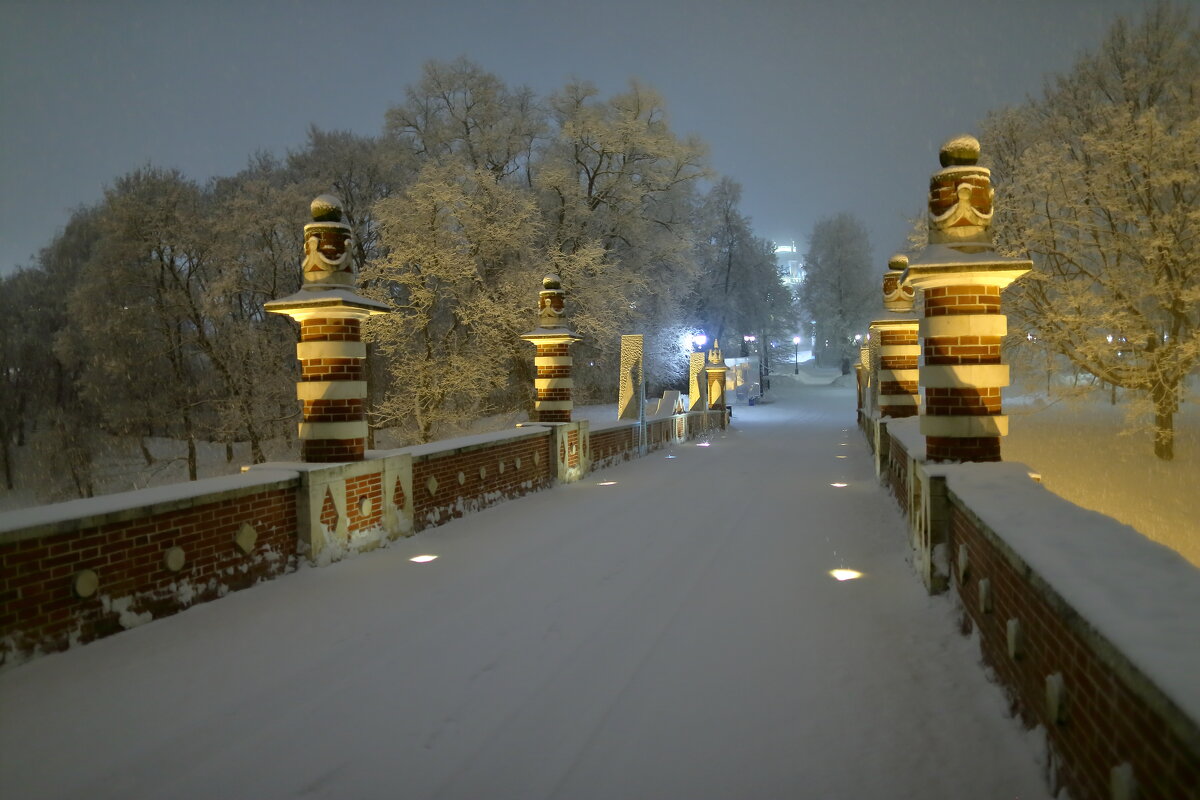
(552, 359)
(961, 276)
(332, 387)
(897, 347)
(715, 372)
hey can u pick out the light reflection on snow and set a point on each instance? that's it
(841, 456)
(839, 485)
(607, 483)
(423, 559)
(845, 574)
(703, 444)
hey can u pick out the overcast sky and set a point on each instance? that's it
(815, 107)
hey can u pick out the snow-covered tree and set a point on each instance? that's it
(460, 272)
(616, 181)
(840, 289)
(1099, 180)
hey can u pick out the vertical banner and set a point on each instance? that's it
(696, 383)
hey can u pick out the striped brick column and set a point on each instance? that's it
(552, 360)
(897, 348)
(332, 388)
(961, 276)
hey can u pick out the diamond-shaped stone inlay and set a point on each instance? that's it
(462, 478)
(432, 485)
(246, 537)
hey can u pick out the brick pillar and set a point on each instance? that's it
(961, 276)
(897, 392)
(332, 387)
(552, 358)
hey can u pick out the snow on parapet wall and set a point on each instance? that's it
(91, 511)
(446, 446)
(1142, 597)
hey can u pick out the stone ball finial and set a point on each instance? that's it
(960, 151)
(898, 262)
(551, 282)
(326, 208)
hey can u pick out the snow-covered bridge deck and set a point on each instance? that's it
(675, 634)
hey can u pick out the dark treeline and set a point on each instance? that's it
(144, 316)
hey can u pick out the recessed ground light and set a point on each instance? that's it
(839, 485)
(845, 574)
(607, 483)
(843, 444)
(423, 559)
(703, 444)
(841, 456)
(672, 456)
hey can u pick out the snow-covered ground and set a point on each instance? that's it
(667, 628)
(1078, 447)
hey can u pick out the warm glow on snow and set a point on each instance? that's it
(845, 574)
(607, 483)
(839, 485)
(422, 559)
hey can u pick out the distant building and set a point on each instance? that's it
(788, 257)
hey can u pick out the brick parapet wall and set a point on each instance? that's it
(1113, 714)
(1115, 717)
(126, 547)
(447, 484)
(125, 538)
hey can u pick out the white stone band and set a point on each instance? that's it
(894, 350)
(553, 361)
(307, 350)
(965, 325)
(899, 399)
(333, 430)
(331, 390)
(964, 376)
(554, 383)
(553, 405)
(964, 427)
(899, 375)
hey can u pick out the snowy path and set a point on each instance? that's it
(675, 635)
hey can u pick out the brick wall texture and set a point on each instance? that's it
(1105, 722)
(38, 607)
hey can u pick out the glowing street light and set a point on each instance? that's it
(796, 341)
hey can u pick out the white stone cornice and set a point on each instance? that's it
(333, 430)
(331, 390)
(882, 324)
(963, 376)
(308, 350)
(965, 325)
(964, 427)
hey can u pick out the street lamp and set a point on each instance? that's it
(796, 341)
